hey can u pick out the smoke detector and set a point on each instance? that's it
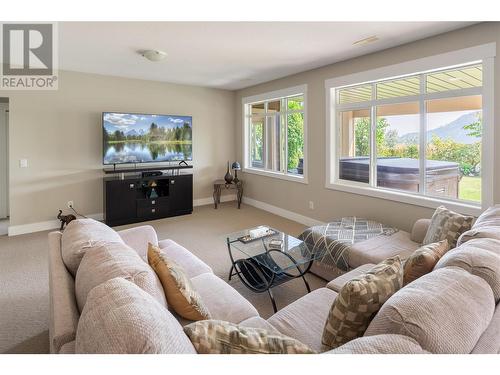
(153, 55)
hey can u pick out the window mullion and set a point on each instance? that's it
(423, 138)
(373, 140)
(285, 156)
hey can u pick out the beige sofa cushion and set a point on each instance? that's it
(423, 260)
(138, 239)
(258, 322)
(445, 311)
(219, 337)
(489, 342)
(120, 318)
(487, 225)
(487, 244)
(446, 224)
(380, 344)
(191, 264)
(379, 248)
(359, 300)
(305, 318)
(80, 236)
(477, 261)
(68, 348)
(222, 300)
(181, 295)
(105, 262)
(337, 283)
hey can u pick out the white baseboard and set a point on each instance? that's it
(282, 212)
(205, 201)
(16, 230)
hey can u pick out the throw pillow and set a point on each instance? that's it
(359, 300)
(219, 337)
(423, 260)
(179, 290)
(446, 224)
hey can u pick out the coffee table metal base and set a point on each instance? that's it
(261, 279)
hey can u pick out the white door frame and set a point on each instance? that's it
(4, 171)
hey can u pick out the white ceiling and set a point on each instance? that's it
(228, 55)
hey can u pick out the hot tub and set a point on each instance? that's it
(403, 174)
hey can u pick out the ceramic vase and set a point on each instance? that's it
(228, 177)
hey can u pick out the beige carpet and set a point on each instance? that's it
(24, 270)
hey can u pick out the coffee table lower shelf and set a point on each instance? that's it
(261, 279)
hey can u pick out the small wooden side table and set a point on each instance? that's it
(219, 184)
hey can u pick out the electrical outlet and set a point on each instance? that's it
(311, 205)
(70, 204)
(23, 163)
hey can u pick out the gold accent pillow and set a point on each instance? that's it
(358, 302)
(179, 290)
(219, 337)
(447, 225)
(423, 260)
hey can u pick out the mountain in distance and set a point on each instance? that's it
(132, 132)
(454, 131)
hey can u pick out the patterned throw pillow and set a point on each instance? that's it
(358, 302)
(423, 260)
(180, 293)
(219, 337)
(446, 224)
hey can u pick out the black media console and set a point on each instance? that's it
(132, 199)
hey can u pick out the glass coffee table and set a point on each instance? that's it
(261, 267)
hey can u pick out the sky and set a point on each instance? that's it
(126, 122)
(410, 123)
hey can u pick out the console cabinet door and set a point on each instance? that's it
(120, 201)
(181, 194)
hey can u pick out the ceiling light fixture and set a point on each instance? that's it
(364, 41)
(153, 55)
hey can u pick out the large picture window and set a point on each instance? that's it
(275, 134)
(418, 135)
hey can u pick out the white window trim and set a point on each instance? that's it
(291, 91)
(484, 53)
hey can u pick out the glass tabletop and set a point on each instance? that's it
(276, 251)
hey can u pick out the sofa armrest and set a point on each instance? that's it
(138, 239)
(64, 313)
(419, 230)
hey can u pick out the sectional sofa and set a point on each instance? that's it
(453, 309)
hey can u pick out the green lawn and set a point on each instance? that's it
(470, 189)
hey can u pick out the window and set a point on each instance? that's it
(417, 138)
(275, 134)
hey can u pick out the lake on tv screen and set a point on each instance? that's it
(135, 138)
(131, 152)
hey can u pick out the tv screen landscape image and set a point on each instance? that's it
(143, 138)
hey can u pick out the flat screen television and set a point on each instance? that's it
(146, 138)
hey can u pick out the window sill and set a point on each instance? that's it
(281, 176)
(402, 197)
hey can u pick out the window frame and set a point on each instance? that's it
(483, 54)
(246, 116)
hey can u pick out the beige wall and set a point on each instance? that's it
(60, 134)
(295, 196)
